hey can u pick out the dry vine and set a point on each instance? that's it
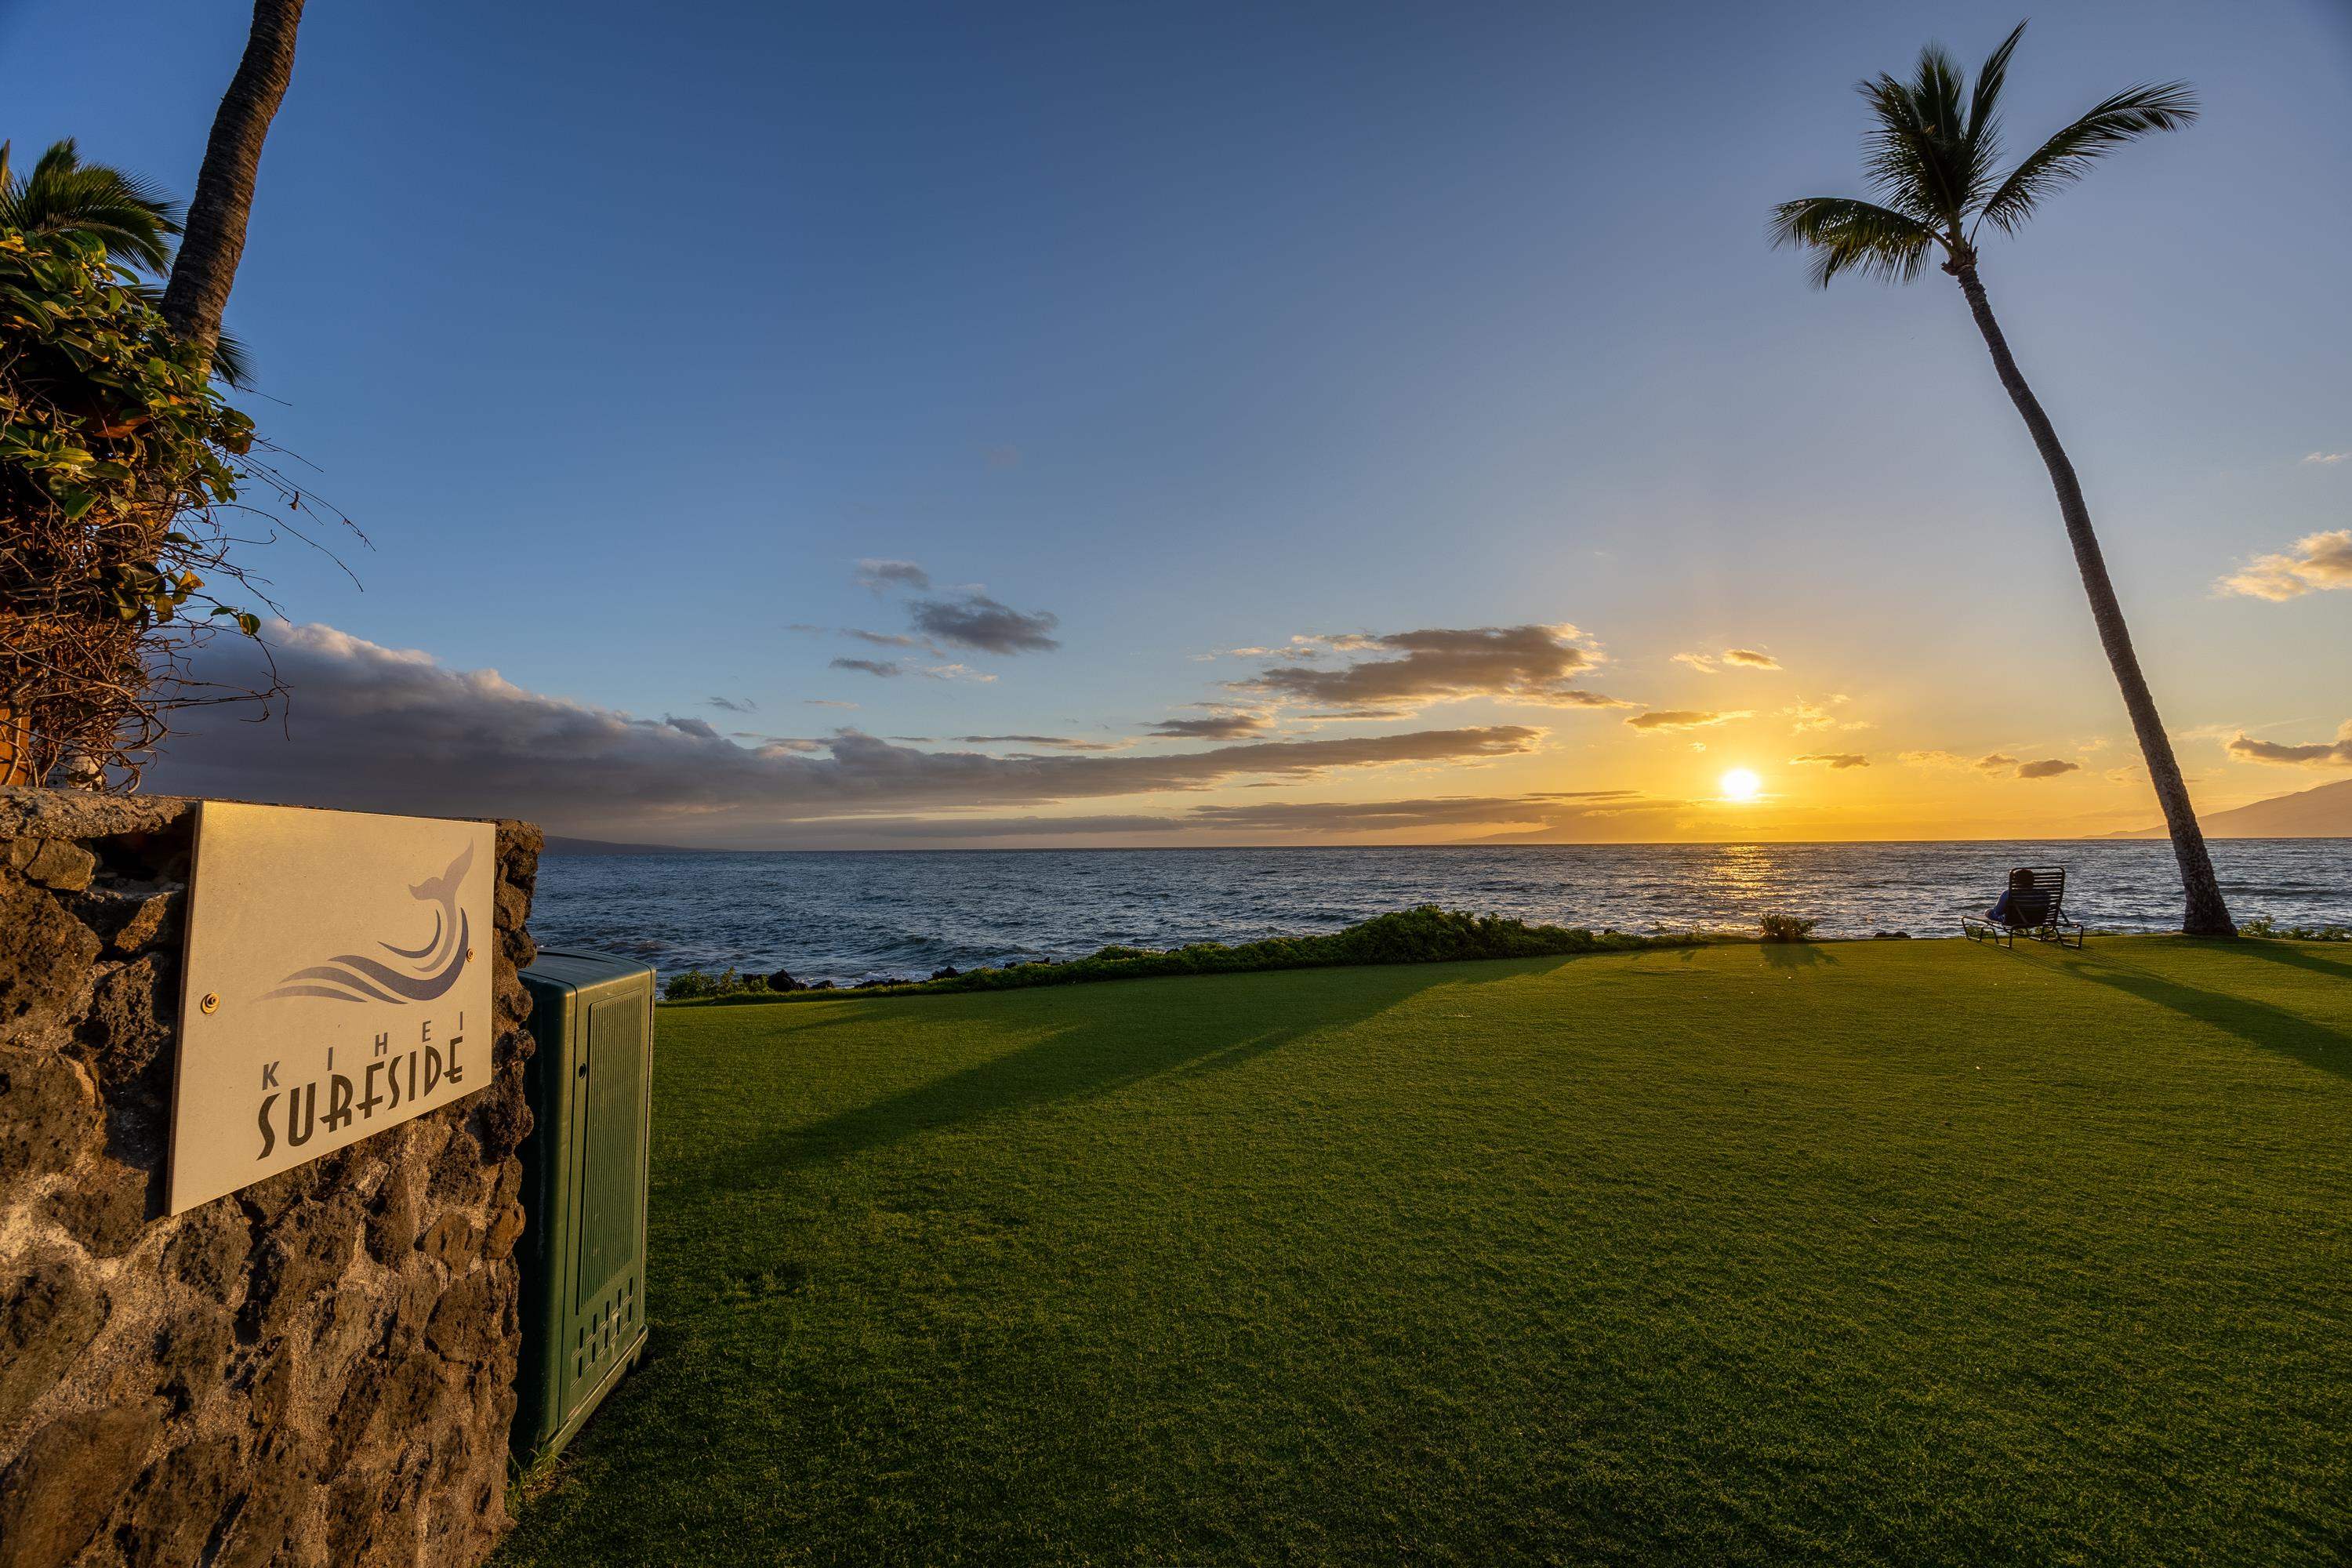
(121, 470)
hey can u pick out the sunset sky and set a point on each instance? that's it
(893, 426)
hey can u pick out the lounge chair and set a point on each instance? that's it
(2033, 907)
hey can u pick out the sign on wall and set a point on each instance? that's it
(337, 983)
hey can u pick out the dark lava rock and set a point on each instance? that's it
(782, 979)
(209, 1251)
(178, 1500)
(949, 972)
(123, 1024)
(193, 1355)
(105, 1208)
(47, 953)
(50, 1319)
(48, 1118)
(68, 1479)
(54, 863)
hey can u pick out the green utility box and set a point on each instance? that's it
(583, 1259)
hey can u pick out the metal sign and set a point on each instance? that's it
(337, 982)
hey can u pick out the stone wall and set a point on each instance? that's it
(319, 1369)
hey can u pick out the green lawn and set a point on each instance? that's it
(1879, 1252)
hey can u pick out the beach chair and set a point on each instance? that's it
(2034, 908)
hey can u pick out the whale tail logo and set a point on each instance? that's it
(420, 974)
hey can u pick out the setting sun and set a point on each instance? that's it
(1740, 783)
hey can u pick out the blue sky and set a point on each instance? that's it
(1203, 327)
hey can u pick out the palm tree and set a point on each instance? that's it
(1932, 161)
(63, 194)
(215, 241)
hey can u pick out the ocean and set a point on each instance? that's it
(848, 916)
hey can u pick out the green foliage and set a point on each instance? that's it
(116, 449)
(1932, 158)
(694, 986)
(1425, 935)
(2264, 926)
(1786, 928)
(63, 196)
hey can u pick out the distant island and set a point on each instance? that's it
(2322, 813)
(557, 845)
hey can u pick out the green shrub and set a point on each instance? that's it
(120, 470)
(1425, 935)
(694, 986)
(2264, 926)
(1787, 928)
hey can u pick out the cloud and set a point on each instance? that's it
(882, 639)
(1394, 815)
(885, 667)
(374, 728)
(1836, 759)
(935, 828)
(733, 704)
(1931, 759)
(1215, 726)
(2317, 562)
(1735, 657)
(699, 729)
(825, 703)
(2319, 753)
(952, 672)
(2047, 768)
(1062, 743)
(1681, 719)
(880, 575)
(1803, 716)
(1993, 761)
(2326, 456)
(1513, 664)
(978, 622)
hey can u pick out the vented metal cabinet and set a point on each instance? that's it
(583, 1284)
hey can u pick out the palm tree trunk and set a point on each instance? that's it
(214, 238)
(2205, 915)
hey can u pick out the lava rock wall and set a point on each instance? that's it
(319, 1369)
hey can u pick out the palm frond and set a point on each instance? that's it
(2134, 112)
(1896, 155)
(1935, 94)
(1919, 158)
(1984, 104)
(134, 220)
(1848, 235)
(231, 364)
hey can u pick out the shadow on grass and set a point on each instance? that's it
(2258, 1022)
(1185, 1030)
(1794, 954)
(2294, 957)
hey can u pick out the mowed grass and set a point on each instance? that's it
(1889, 1252)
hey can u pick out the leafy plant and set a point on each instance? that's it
(1786, 928)
(694, 986)
(116, 455)
(2264, 926)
